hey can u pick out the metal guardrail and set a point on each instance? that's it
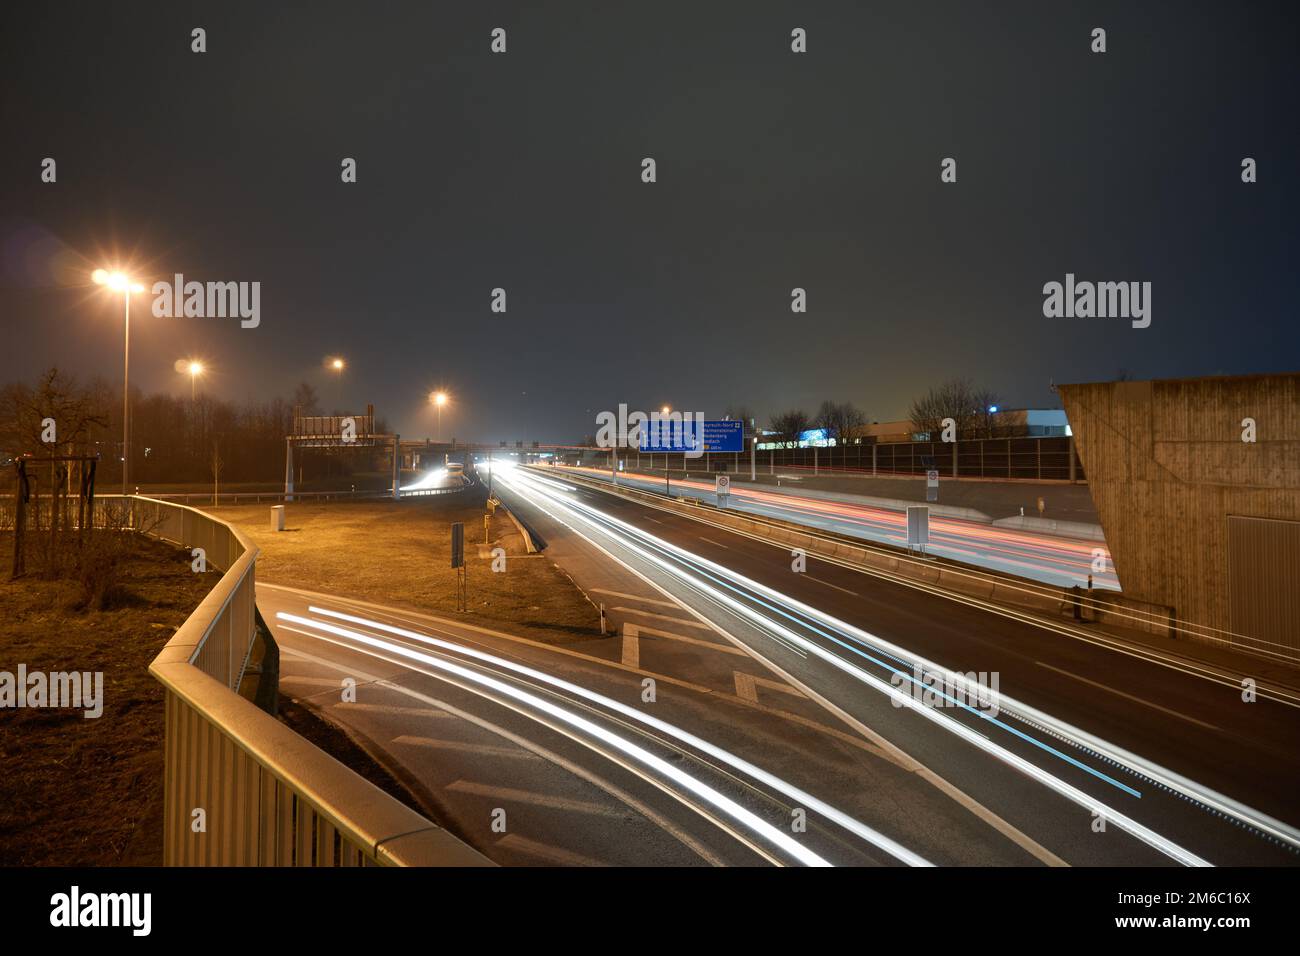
(1104, 607)
(257, 497)
(268, 797)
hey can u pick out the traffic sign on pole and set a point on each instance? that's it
(458, 545)
(685, 435)
(722, 488)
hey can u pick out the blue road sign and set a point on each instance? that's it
(668, 435)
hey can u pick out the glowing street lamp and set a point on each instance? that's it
(337, 365)
(195, 369)
(438, 399)
(119, 282)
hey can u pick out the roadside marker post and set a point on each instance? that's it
(458, 561)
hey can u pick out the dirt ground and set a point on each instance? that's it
(399, 553)
(85, 792)
(88, 792)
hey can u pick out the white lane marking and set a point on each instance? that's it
(886, 747)
(1279, 694)
(716, 544)
(534, 798)
(464, 746)
(747, 686)
(638, 629)
(544, 851)
(631, 645)
(577, 770)
(312, 681)
(630, 533)
(587, 731)
(391, 710)
(663, 617)
(829, 585)
(1137, 700)
(636, 597)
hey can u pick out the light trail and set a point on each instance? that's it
(720, 801)
(1216, 803)
(802, 797)
(1043, 557)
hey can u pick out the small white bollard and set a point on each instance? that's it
(277, 517)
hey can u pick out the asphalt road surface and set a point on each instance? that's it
(1040, 557)
(1087, 754)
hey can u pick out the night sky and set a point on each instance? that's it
(775, 170)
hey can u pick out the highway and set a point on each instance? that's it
(474, 721)
(1041, 557)
(1093, 756)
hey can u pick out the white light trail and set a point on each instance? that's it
(1215, 801)
(702, 790)
(801, 797)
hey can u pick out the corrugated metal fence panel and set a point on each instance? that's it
(1264, 581)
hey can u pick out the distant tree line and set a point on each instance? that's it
(967, 405)
(173, 439)
(970, 407)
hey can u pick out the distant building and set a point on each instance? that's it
(1006, 423)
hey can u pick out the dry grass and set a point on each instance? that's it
(399, 553)
(89, 792)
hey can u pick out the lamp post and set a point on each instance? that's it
(667, 490)
(337, 365)
(121, 283)
(439, 399)
(195, 369)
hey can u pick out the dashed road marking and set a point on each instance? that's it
(545, 851)
(393, 710)
(829, 585)
(465, 746)
(1137, 700)
(513, 795)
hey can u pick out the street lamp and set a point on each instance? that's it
(337, 364)
(667, 487)
(439, 399)
(118, 282)
(195, 369)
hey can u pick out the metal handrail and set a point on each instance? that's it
(241, 788)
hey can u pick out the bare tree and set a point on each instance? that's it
(789, 425)
(839, 419)
(986, 401)
(742, 413)
(75, 411)
(957, 399)
(305, 396)
(54, 418)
